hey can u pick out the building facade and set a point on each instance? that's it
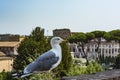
(105, 48)
(9, 37)
(8, 49)
(9, 44)
(6, 62)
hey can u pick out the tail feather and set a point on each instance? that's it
(24, 75)
(21, 75)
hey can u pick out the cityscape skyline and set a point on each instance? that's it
(21, 17)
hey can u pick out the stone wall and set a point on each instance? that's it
(63, 33)
(105, 75)
(9, 37)
(6, 64)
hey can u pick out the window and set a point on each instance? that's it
(115, 49)
(119, 50)
(5, 48)
(9, 48)
(109, 51)
(73, 49)
(1, 48)
(109, 46)
(112, 50)
(95, 45)
(99, 50)
(79, 49)
(106, 51)
(92, 50)
(88, 49)
(102, 51)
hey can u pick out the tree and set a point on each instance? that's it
(112, 35)
(98, 38)
(66, 62)
(27, 53)
(115, 35)
(30, 48)
(117, 62)
(98, 34)
(38, 34)
(90, 36)
(82, 39)
(107, 36)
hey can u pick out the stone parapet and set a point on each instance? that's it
(105, 75)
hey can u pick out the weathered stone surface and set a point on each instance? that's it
(105, 75)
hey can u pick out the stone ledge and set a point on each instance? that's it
(105, 75)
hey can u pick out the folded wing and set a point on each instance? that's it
(43, 62)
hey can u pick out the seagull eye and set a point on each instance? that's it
(57, 39)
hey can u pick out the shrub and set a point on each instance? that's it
(76, 70)
(93, 67)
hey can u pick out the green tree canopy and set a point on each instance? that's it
(98, 34)
(107, 36)
(78, 37)
(38, 34)
(90, 36)
(66, 62)
(115, 35)
(30, 48)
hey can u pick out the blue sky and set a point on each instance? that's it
(22, 16)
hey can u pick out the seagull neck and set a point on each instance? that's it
(56, 46)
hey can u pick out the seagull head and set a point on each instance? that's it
(56, 40)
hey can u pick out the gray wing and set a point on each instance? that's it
(43, 63)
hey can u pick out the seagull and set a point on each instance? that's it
(45, 62)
